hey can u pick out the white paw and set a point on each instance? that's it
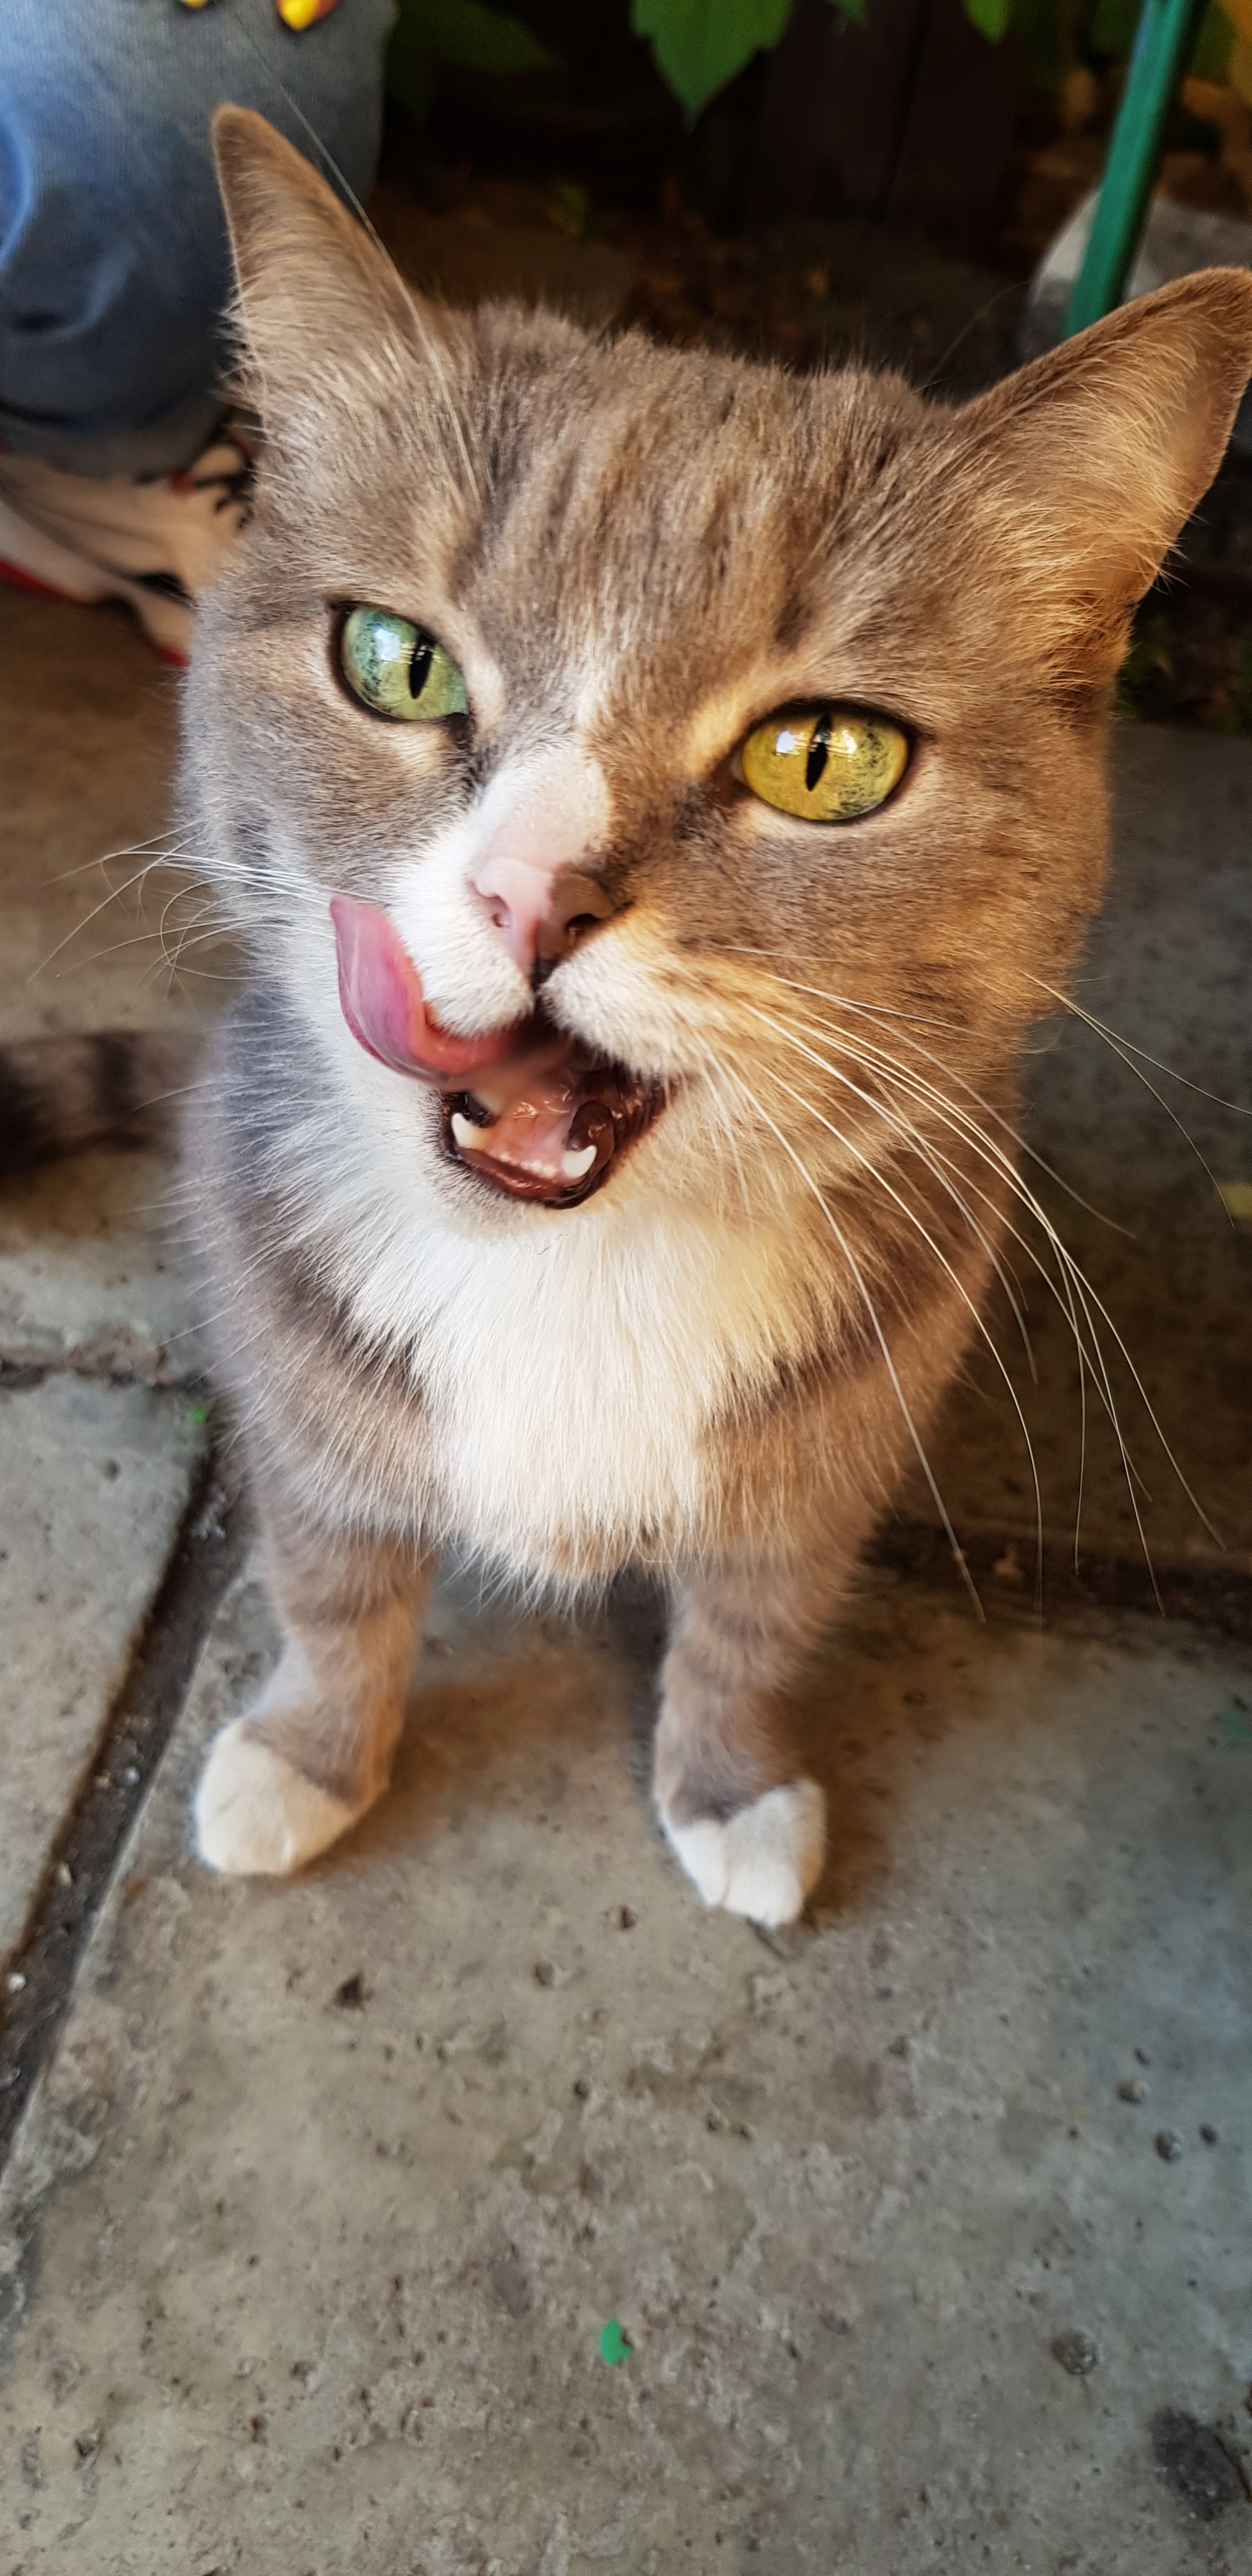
(256, 1816)
(764, 1861)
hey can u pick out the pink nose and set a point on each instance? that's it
(541, 913)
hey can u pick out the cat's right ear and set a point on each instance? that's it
(310, 279)
(1092, 459)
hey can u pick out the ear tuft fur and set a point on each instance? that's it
(312, 283)
(1096, 455)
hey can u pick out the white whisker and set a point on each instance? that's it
(1125, 1050)
(1072, 1291)
(1086, 1291)
(883, 1183)
(879, 1335)
(874, 1011)
(913, 1138)
(1075, 1282)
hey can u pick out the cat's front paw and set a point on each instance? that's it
(256, 1816)
(761, 1862)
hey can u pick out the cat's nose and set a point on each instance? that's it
(541, 913)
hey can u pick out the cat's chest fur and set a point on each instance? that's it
(573, 1380)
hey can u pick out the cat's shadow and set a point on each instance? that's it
(507, 1708)
(507, 1713)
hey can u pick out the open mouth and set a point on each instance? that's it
(527, 1109)
(550, 1122)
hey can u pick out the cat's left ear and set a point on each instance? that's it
(1092, 459)
(313, 286)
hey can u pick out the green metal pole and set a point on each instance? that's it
(1164, 38)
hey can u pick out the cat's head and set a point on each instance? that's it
(646, 767)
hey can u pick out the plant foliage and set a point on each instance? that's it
(700, 45)
(992, 18)
(464, 32)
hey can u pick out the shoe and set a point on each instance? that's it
(153, 544)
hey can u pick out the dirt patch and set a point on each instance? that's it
(1192, 2460)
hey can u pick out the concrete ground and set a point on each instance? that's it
(477, 2203)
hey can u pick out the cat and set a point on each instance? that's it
(654, 791)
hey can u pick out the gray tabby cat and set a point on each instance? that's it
(651, 786)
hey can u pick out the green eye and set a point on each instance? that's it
(398, 670)
(827, 764)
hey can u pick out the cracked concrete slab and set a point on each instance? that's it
(94, 1481)
(924, 2228)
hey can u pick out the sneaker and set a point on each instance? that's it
(153, 544)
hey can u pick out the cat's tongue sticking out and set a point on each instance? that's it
(530, 1110)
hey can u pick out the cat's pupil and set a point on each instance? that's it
(819, 750)
(419, 667)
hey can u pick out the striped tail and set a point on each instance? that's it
(60, 1094)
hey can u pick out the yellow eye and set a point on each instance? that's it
(827, 764)
(398, 670)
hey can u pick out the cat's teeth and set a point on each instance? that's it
(573, 1166)
(466, 1133)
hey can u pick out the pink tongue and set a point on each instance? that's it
(529, 1098)
(381, 994)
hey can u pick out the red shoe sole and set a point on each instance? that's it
(19, 580)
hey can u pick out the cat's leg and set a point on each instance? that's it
(316, 1748)
(748, 1827)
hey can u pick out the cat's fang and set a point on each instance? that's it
(575, 1165)
(467, 1134)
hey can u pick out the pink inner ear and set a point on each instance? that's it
(381, 994)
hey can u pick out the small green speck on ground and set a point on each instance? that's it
(615, 2345)
(1236, 1722)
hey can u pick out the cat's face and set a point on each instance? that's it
(675, 741)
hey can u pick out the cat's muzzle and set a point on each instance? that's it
(529, 1110)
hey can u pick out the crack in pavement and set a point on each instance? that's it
(204, 1560)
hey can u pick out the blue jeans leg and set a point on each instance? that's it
(114, 268)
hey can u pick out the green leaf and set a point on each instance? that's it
(479, 39)
(701, 44)
(1045, 38)
(464, 32)
(1113, 27)
(1212, 46)
(991, 17)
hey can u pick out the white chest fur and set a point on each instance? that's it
(571, 1373)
